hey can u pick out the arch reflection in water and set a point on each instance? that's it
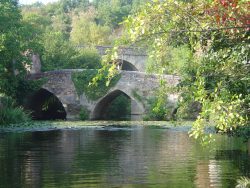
(44, 105)
(114, 106)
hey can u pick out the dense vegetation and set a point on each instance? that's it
(207, 44)
(66, 30)
(62, 33)
(15, 50)
(204, 42)
(11, 113)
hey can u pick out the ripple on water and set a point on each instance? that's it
(111, 156)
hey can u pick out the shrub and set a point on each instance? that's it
(84, 114)
(85, 59)
(157, 110)
(61, 54)
(243, 182)
(7, 102)
(10, 113)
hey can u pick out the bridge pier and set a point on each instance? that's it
(136, 111)
(72, 111)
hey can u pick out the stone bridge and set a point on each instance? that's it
(131, 59)
(137, 86)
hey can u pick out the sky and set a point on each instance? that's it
(26, 2)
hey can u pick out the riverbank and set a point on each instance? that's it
(183, 126)
(53, 125)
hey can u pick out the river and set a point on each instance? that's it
(111, 156)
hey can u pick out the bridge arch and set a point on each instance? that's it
(100, 109)
(135, 56)
(126, 65)
(45, 105)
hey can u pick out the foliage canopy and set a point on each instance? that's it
(215, 71)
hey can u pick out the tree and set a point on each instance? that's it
(217, 34)
(10, 47)
(17, 43)
(57, 51)
(61, 54)
(15, 48)
(86, 32)
(112, 13)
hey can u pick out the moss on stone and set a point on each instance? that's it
(137, 96)
(82, 79)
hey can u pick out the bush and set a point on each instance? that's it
(243, 182)
(85, 59)
(61, 54)
(160, 109)
(188, 110)
(7, 102)
(13, 115)
(84, 114)
(10, 113)
(157, 110)
(57, 53)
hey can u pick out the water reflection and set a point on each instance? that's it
(208, 174)
(107, 157)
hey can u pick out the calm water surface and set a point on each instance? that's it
(119, 157)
